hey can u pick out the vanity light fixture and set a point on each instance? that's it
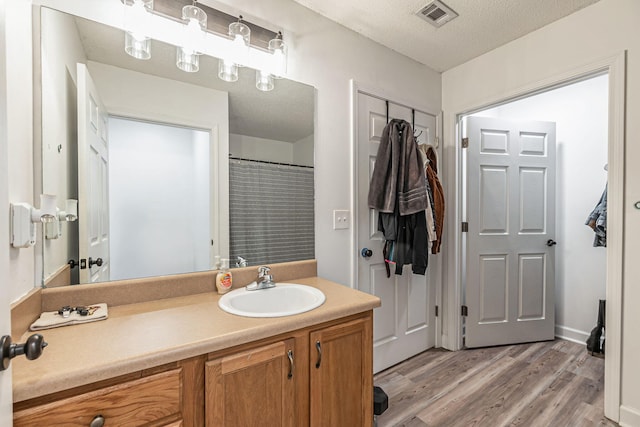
(278, 50)
(240, 35)
(137, 16)
(70, 212)
(227, 70)
(188, 56)
(53, 230)
(188, 24)
(24, 218)
(264, 81)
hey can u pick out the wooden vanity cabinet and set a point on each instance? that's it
(316, 376)
(319, 376)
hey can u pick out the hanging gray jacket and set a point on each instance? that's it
(398, 176)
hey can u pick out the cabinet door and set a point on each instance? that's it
(252, 388)
(341, 370)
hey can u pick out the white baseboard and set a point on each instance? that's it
(629, 417)
(570, 334)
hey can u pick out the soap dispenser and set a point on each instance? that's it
(223, 278)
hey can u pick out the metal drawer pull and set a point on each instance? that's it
(319, 348)
(290, 356)
(97, 421)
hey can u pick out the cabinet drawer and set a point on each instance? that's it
(134, 403)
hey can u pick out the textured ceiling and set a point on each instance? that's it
(482, 25)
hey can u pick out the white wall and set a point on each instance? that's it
(580, 113)
(251, 147)
(303, 151)
(166, 231)
(589, 35)
(20, 179)
(61, 51)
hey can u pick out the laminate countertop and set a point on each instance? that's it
(144, 335)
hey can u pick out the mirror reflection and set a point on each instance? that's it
(171, 170)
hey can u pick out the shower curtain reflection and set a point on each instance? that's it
(271, 211)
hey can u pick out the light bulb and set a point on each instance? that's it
(264, 81)
(137, 27)
(240, 35)
(227, 71)
(187, 60)
(278, 50)
(193, 33)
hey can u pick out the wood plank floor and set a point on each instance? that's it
(554, 383)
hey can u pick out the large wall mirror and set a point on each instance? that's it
(170, 169)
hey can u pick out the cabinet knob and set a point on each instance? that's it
(97, 421)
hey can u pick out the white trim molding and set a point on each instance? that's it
(629, 417)
(615, 67)
(569, 334)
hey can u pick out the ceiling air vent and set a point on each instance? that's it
(437, 13)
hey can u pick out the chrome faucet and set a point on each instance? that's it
(241, 262)
(265, 279)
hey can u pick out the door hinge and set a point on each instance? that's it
(465, 227)
(464, 311)
(436, 311)
(465, 142)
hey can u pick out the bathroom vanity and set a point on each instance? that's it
(182, 361)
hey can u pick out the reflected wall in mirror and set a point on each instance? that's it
(170, 169)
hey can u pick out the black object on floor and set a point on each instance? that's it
(593, 342)
(380, 401)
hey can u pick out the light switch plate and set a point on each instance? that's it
(340, 219)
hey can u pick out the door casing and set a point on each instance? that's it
(615, 67)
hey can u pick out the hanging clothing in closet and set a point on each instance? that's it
(430, 212)
(436, 194)
(597, 220)
(398, 192)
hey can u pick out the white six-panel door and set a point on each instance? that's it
(511, 215)
(93, 180)
(405, 323)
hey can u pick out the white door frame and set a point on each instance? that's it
(356, 88)
(615, 66)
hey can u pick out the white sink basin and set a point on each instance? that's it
(285, 299)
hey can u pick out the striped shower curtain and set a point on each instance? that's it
(271, 212)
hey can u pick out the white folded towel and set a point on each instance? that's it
(51, 319)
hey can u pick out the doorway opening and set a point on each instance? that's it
(159, 187)
(580, 113)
